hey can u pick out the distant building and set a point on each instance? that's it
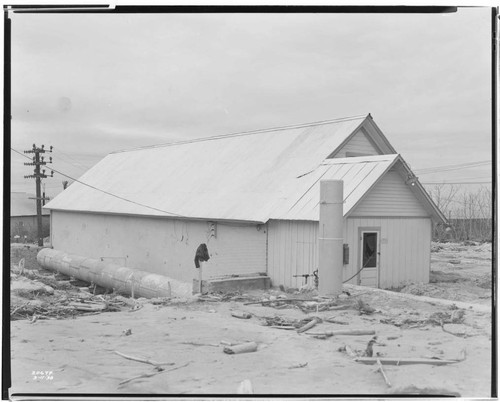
(23, 220)
(253, 198)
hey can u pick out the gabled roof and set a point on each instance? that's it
(23, 204)
(253, 176)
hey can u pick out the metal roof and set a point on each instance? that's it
(22, 205)
(253, 176)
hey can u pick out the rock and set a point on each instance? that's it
(23, 285)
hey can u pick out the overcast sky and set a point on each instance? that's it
(91, 84)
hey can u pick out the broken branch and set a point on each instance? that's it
(138, 359)
(381, 369)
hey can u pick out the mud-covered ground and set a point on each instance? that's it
(59, 349)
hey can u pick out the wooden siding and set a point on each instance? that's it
(360, 145)
(159, 245)
(390, 197)
(404, 250)
(292, 250)
(405, 246)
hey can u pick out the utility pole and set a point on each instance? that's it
(38, 175)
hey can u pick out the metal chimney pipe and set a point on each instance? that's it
(330, 240)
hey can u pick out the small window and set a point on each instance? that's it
(369, 250)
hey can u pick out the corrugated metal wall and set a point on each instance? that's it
(405, 250)
(160, 245)
(390, 197)
(359, 144)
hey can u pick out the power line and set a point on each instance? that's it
(458, 182)
(66, 158)
(104, 191)
(447, 168)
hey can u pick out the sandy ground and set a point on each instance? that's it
(77, 355)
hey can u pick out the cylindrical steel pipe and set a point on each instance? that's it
(330, 237)
(111, 276)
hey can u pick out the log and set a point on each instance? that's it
(86, 307)
(241, 314)
(241, 348)
(403, 361)
(345, 332)
(288, 327)
(308, 326)
(381, 369)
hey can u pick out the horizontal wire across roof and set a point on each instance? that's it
(253, 176)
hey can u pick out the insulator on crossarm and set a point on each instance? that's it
(52, 173)
(51, 147)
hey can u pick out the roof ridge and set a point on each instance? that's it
(243, 133)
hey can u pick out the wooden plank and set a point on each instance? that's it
(403, 361)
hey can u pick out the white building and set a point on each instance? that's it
(253, 198)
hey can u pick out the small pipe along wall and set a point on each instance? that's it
(111, 276)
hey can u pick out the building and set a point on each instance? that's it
(253, 198)
(23, 221)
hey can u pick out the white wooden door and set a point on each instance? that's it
(370, 258)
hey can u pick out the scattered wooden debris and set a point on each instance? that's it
(241, 348)
(89, 306)
(333, 320)
(381, 369)
(299, 365)
(341, 307)
(158, 371)
(345, 332)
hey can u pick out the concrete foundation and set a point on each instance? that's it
(233, 284)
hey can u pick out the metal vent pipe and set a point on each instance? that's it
(111, 276)
(330, 240)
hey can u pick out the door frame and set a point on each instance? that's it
(368, 229)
